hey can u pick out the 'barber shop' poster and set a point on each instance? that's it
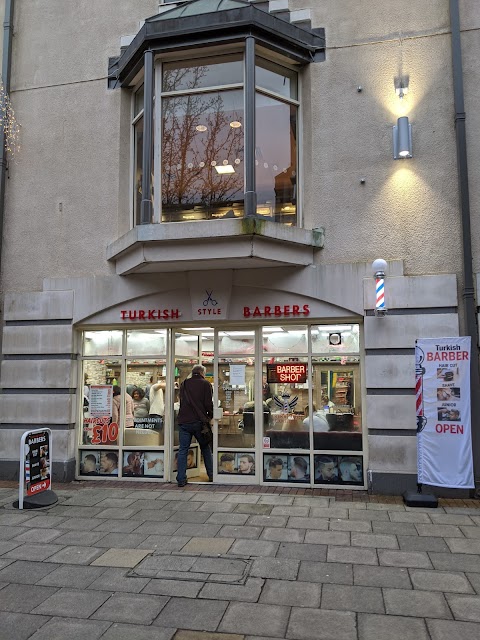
(442, 389)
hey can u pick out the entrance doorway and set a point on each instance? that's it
(229, 359)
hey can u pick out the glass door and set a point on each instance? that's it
(236, 426)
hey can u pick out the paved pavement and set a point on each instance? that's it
(156, 563)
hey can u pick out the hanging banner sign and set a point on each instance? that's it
(442, 386)
(35, 463)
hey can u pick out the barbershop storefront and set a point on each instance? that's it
(286, 379)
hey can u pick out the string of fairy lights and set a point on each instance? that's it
(11, 128)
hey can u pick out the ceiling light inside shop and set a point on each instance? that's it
(335, 327)
(201, 128)
(272, 329)
(235, 124)
(224, 169)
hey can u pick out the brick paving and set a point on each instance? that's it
(118, 560)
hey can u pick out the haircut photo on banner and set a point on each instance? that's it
(448, 393)
(133, 464)
(245, 464)
(447, 373)
(275, 468)
(326, 469)
(153, 465)
(350, 469)
(448, 415)
(90, 463)
(298, 468)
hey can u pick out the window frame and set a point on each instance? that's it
(197, 55)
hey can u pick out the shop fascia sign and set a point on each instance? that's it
(149, 314)
(277, 311)
(272, 311)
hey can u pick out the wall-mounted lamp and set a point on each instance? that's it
(379, 268)
(402, 139)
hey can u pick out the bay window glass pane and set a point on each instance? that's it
(102, 343)
(276, 159)
(273, 77)
(138, 101)
(138, 168)
(336, 338)
(285, 340)
(147, 342)
(202, 156)
(212, 72)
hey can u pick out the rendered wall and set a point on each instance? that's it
(69, 187)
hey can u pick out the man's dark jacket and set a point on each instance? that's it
(200, 394)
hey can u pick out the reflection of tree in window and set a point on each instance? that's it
(196, 136)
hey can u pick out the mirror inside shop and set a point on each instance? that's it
(292, 415)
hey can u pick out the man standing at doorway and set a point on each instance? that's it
(196, 409)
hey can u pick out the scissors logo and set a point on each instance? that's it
(209, 299)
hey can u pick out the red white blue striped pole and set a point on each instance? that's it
(379, 268)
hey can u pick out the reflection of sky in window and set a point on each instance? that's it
(277, 82)
(209, 74)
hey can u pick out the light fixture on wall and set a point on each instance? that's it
(402, 139)
(379, 268)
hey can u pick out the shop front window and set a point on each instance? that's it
(301, 422)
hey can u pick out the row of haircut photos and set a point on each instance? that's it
(328, 469)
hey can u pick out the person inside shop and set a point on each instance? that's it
(298, 472)
(275, 468)
(266, 392)
(157, 404)
(249, 415)
(327, 405)
(109, 463)
(246, 465)
(320, 423)
(326, 469)
(147, 388)
(196, 411)
(141, 404)
(130, 389)
(129, 421)
(227, 463)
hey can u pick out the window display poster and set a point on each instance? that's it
(101, 398)
(234, 463)
(286, 468)
(237, 374)
(442, 389)
(192, 458)
(141, 464)
(99, 463)
(341, 470)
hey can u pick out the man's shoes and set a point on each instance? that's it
(182, 483)
(210, 478)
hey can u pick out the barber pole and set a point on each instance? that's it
(379, 268)
(380, 300)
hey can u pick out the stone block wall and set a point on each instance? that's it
(39, 377)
